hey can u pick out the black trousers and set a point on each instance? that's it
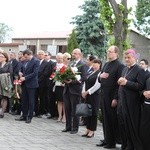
(70, 102)
(91, 123)
(28, 100)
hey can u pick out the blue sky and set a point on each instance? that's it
(26, 16)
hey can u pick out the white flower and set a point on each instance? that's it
(74, 69)
(78, 77)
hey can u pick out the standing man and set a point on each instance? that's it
(109, 91)
(144, 65)
(72, 94)
(15, 64)
(29, 78)
(51, 106)
(131, 82)
(41, 98)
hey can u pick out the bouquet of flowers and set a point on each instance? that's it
(66, 73)
(17, 88)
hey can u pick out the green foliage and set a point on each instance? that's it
(107, 16)
(115, 19)
(72, 42)
(4, 32)
(90, 30)
(142, 15)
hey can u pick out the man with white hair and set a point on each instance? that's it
(40, 102)
(72, 93)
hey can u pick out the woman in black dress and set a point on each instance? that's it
(6, 72)
(91, 94)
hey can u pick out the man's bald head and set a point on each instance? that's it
(76, 54)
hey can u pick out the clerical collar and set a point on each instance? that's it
(131, 65)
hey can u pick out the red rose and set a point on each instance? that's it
(16, 82)
(62, 70)
(52, 76)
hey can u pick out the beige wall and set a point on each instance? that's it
(9, 48)
(141, 44)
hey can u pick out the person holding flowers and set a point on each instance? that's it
(72, 91)
(58, 88)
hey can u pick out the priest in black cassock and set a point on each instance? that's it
(129, 104)
(109, 91)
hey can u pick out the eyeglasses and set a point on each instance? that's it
(110, 52)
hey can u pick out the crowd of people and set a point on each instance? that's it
(120, 90)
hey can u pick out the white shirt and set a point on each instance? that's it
(94, 88)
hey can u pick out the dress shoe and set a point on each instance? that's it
(90, 136)
(73, 132)
(84, 135)
(66, 130)
(108, 146)
(102, 143)
(21, 119)
(2, 116)
(28, 121)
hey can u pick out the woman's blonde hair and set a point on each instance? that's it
(66, 55)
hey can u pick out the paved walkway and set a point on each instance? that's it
(43, 134)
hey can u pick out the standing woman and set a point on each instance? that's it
(58, 89)
(5, 72)
(66, 62)
(91, 92)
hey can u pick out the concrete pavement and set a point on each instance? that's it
(43, 134)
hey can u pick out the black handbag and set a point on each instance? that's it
(84, 110)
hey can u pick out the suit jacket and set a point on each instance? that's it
(15, 66)
(42, 74)
(75, 87)
(51, 69)
(30, 72)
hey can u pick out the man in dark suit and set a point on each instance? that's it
(72, 94)
(15, 64)
(144, 65)
(51, 105)
(40, 102)
(29, 78)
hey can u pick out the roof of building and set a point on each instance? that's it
(45, 35)
(10, 44)
(137, 32)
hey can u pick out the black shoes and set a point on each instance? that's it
(21, 119)
(102, 143)
(2, 116)
(90, 136)
(108, 146)
(66, 130)
(73, 131)
(84, 135)
(28, 120)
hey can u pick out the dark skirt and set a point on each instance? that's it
(59, 93)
